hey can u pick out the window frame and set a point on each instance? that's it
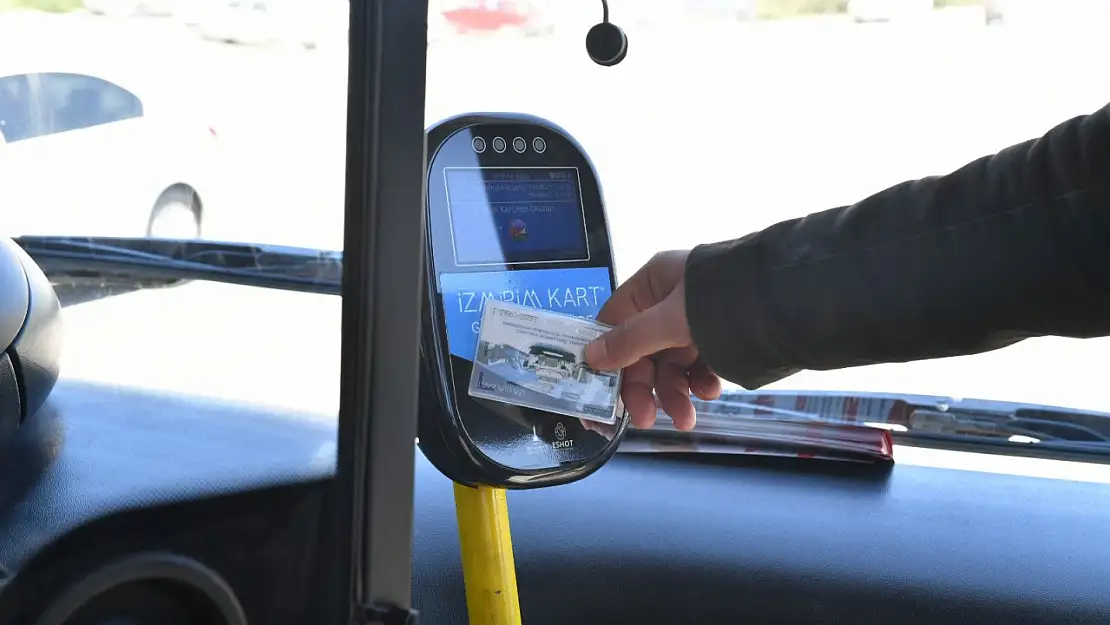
(382, 309)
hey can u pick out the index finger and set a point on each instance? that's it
(621, 305)
(627, 300)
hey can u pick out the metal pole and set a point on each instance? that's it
(489, 567)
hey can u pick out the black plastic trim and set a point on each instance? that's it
(383, 266)
(142, 567)
(37, 351)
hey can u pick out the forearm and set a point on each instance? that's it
(1010, 246)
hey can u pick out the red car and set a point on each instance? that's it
(486, 16)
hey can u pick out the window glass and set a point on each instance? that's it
(729, 116)
(17, 110)
(76, 101)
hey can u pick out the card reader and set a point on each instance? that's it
(514, 214)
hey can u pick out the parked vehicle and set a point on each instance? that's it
(260, 22)
(131, 8)
(888, 10)
(82, 154)
(994, 11)
(488, 16)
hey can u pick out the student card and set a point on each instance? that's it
(535, 358)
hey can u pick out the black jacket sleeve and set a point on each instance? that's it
(1010, 246)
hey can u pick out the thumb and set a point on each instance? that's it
(641, 335)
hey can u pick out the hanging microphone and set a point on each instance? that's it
(606, 43)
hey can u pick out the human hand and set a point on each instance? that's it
(651, 341)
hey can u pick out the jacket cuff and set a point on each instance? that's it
(731, 330)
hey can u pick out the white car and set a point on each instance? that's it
(191, 13)
(82, 154)
(130, 8)
(888, 10)
(247, 22)
(316, 23)
(308, 23)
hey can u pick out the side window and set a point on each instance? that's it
(75, 101)
(17, 109)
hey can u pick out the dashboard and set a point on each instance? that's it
(648, 538)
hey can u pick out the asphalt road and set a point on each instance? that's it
(701, 134)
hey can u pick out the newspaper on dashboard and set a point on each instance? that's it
(535, 358)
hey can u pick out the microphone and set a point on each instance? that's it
(606, 43)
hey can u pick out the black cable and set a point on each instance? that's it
(604, 11)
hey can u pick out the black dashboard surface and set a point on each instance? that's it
(649, 538)
(113, 449)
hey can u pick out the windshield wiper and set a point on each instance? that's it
(159, 262)
(863, 426)
(765, 437)
(916, 417)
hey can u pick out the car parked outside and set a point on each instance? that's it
(84, 154)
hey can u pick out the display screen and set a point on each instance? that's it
(511, 215)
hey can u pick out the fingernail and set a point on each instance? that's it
(595, 352)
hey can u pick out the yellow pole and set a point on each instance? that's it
(489, 570)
